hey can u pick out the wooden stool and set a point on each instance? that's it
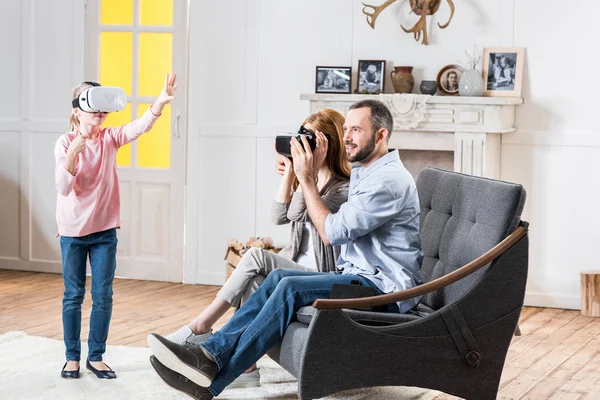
(590, 293)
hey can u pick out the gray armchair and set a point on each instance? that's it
(474, 270)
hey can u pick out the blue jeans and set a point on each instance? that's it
(102, 250)
(262, 321)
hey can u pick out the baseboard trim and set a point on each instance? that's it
(33, 266)
(209, 278)
(546, 300)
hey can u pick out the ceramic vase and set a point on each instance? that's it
(402, 79)
(471, 83)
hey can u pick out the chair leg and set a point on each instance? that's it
(517, 331)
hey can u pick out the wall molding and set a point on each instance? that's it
(520, 137)
(53, 125)
(242, 130)
(251, 55)
(552, 138)
(553, 300)
(27, 57)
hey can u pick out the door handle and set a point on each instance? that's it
(176, 124)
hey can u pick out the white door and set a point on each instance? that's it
(133, 44)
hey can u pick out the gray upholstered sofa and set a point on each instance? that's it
(475, 269)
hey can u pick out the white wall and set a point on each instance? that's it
(556, 151)
(248, 66)
(41, 60)
(250, 63)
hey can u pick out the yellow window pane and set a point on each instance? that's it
(156, 12)
(154, 147)
(116, 12)
(116, 60)
(155, 61)
(118, 119)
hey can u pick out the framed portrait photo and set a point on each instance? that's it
(333, 80)
(448, 78)
(503, 71)
(371, 76)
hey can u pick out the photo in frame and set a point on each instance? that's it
(448, 78)
(333, 80)
(371, 76)
(503, 71)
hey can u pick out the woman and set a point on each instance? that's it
(88, 214)
(306, 251)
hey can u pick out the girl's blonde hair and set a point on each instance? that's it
(74, 120)
(331, 123)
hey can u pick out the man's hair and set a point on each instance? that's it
(381, 117)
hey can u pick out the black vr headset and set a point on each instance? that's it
(100, 99)
(283, 144)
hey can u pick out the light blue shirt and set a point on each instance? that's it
(378, 227)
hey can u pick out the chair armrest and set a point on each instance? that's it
(434, 285)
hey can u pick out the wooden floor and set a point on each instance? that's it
(557, 356)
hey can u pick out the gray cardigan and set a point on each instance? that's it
(334, 193)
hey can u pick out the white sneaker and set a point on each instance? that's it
(186, 336)
(246, 380)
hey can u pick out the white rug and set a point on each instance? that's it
(30, 369)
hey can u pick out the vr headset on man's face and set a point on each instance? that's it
(101, 99)
(283, 144)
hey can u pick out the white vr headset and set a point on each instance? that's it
(101, 99)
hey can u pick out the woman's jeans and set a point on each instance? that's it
(102, 250)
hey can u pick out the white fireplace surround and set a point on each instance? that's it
(471, 127)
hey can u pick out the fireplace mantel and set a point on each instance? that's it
(471, 127)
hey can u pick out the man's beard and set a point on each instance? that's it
(364, 152)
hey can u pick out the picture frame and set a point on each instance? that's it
(448, 78)
(503, 71)
(333, 79)
(371, 76)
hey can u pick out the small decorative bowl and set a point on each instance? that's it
(428, 87)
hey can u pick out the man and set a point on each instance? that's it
(378, 229)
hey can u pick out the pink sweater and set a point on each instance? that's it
(89, 202)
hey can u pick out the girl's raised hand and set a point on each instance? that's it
(168, 92)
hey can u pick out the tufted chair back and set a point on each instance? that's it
(462, 217)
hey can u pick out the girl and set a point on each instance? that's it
(88, 214)
(306, 251)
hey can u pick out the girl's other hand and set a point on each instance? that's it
(77, 145)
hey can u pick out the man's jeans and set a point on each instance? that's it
(262, 321)
(102, 250)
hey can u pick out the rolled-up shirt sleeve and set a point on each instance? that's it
(279, 213)
(365, 211)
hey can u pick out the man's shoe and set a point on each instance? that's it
(102, 374)
(246, 380)
(185, 336)
(189, 361)
(69, 374)
(180, 382)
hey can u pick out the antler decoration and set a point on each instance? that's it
(372, 16)
(421, 25)
(451, 4)
(420, 7)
